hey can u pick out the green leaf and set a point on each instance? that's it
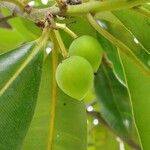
(114, 26)
(69, 123)
(114, 100)
(26, 28)
(138, 81)
(137, 23)
(112, 54)
(10, 39)
(18, 25)
(127, 147)
(147, 6)
(36, 31)
(91, 148)
(103, 139)
(19, 83)
(127, 38)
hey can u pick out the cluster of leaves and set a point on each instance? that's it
(34, 116)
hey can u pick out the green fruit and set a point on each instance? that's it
(74, 77)
(89, 48)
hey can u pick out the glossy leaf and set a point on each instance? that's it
(114, 100)
(9, 39)
(19, 85)
(70, 119)
(139, 84)
(137, 23)
(112, 54)
(138, 81)
(128, 40)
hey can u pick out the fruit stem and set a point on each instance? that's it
(122, 47)
(59, 40)
(66, 29)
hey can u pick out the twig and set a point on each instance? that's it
(91, 6)
(35, 15)
(17, 2)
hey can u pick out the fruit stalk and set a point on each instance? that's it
(60, 43)
(66, 29)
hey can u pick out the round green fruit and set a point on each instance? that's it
(89, 48)
(74, 77)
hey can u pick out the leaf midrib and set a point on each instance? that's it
(53, 98)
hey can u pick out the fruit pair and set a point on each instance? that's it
(75, 74)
